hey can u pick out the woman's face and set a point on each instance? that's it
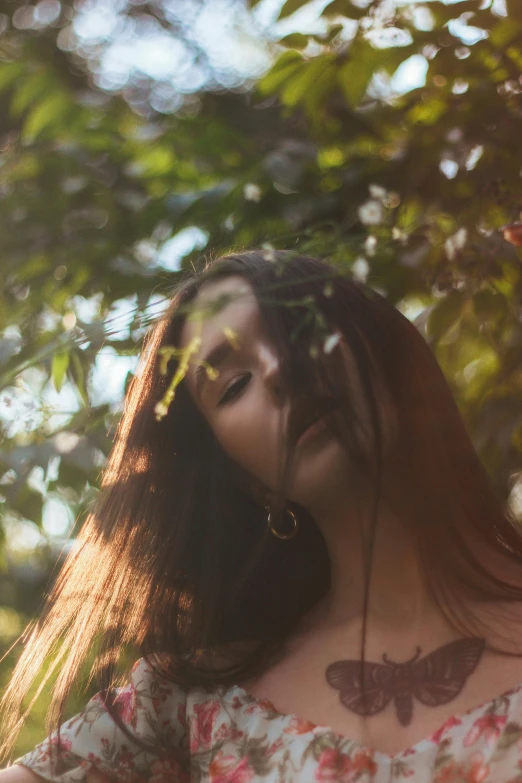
(245, 405)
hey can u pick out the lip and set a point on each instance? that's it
(308, 411)
(313, 430)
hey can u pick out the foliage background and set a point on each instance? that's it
(134, 143)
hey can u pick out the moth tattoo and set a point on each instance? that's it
(435, 679)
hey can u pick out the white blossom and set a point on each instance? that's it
(370, 245)
(455, 242)
(65, 442)
(397, 233)
(161, 410)
(370, 213)
(360, 269)
(377, 191)
(331, 341)
(252, 192)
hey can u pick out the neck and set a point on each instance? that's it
(398, 598)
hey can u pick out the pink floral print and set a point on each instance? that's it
(126, 705)
(338, 767)
(204, 717)
(229, 736)
(488, 729)
(449, 724)
(299, 726)
(473, 771)
(166, 771)
(227, 769)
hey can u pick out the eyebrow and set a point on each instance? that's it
(215, 357)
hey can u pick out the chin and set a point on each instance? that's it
(321, 470)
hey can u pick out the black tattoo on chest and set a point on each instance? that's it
(435, 679)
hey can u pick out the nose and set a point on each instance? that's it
(272, 370)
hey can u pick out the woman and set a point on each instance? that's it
(296, 534)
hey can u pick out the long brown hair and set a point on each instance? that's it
(176, 557)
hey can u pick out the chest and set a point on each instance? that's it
(393, 718)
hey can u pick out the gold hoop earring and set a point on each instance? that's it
(284, 536)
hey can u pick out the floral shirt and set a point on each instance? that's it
(230, 736)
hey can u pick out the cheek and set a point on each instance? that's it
(250, 438)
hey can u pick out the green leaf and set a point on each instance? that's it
(356, 72)
(506, 32)
(155, 161)
(78, 376)
(29, 503)
(295, 41)
(9, 73)
(445, 314)
(59, 366)
(489, 305)
(333, 32)
(427, 112)
(283, 68)
(70, 475)
(389, 59)
(354, 78)
(290, 7)
(444, 12)
(52, 109)
(307, 81)
(31, 89)
(344, 8)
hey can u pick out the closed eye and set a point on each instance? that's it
(234, 390)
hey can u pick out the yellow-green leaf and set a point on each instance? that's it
(356, 73)
(354, 78)
(78, 376)
(295, 41)
(489, 305)
(313, 79)
(282, 69)
(52, 108)
(290, 7)
(59, 366)
(344, 8)
(30, 89)
(9, 73)
(445, 314)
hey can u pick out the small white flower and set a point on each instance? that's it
(449, 167)
(370, 213)
(69, 320)
(377, 191)
(331, 341)
(328, 289)
(161, 410)
(370, 245)
(454, 135)
(474, 156)
(455, 242)
(397, 233)
(360, 269)
(66, 442)
(252, 192)
(268, 252)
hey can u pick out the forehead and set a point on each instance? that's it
(219, 304)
